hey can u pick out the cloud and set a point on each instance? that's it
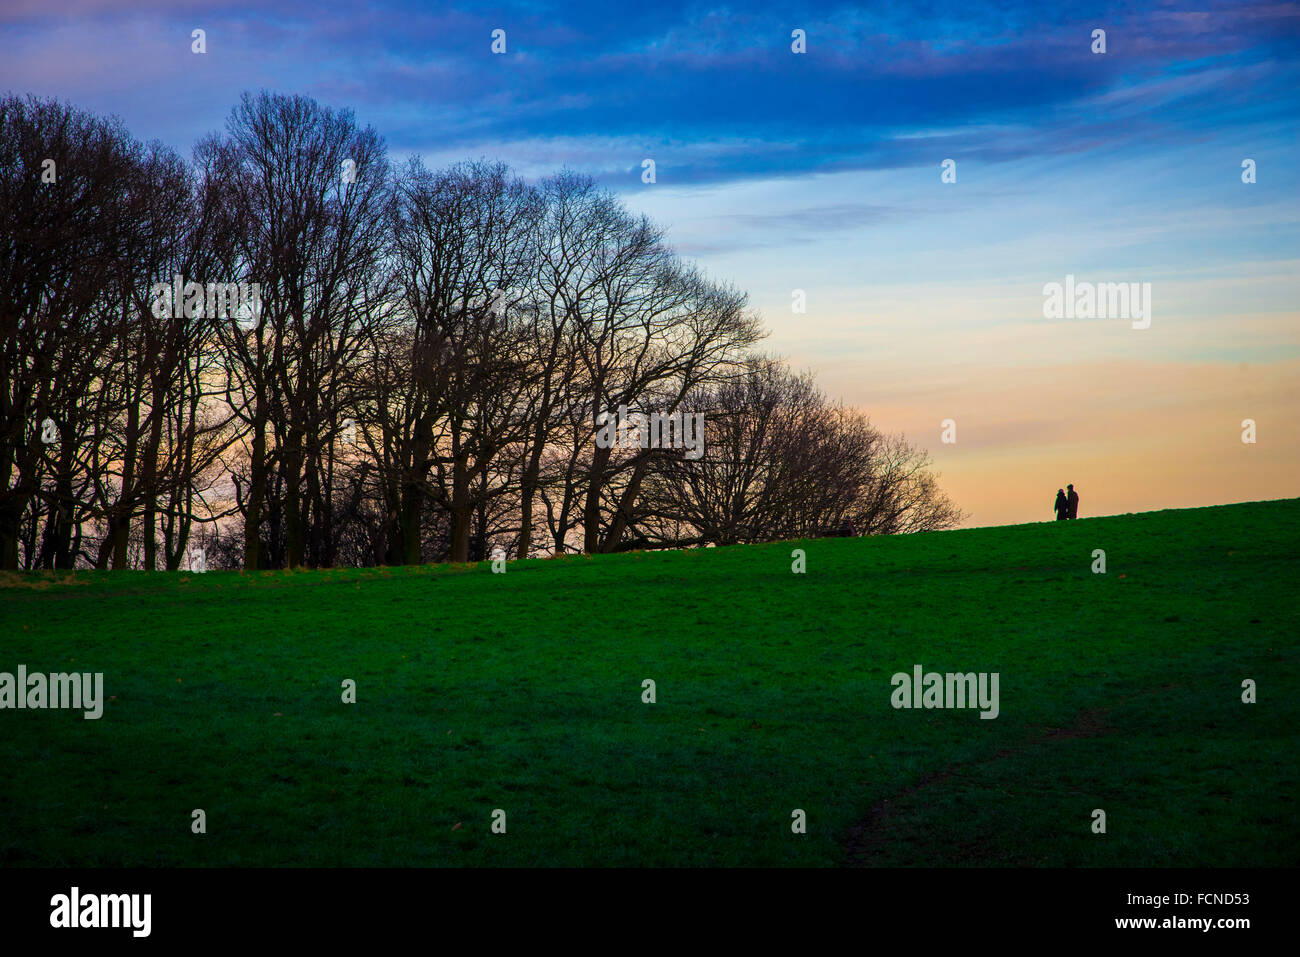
(669, 74)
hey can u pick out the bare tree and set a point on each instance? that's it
(463, 250)
(782, 462)
(312, 207)
(420, 372)
(63, 181)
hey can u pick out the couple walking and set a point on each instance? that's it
(1067, 506)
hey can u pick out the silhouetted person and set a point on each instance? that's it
(1062, 506)
(1073, 499)
(846, 528)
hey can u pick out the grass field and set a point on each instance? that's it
(523, 691)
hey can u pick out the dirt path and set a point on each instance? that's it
(869, 836)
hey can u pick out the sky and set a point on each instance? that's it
(818, 176)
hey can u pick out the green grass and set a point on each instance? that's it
(522, 691)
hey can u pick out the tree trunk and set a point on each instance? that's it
(256, 495)
(461, 512)
(293, 524)
(591, 509)
(624, 514)
(120, 524)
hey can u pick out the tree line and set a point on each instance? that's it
(419, 375)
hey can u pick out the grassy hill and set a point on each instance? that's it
(523, 691)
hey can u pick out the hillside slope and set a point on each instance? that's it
(523, 692)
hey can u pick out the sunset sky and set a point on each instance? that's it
(820, 171)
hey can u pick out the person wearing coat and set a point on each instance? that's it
(1062, 506)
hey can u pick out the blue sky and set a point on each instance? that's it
(821, 172)
(715, 90)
